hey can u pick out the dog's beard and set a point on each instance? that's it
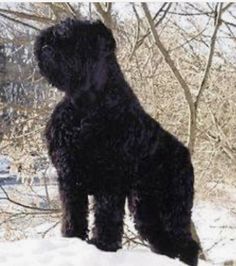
(92, 84)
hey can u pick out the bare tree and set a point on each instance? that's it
(178, 57)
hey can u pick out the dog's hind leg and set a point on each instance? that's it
(173, 241)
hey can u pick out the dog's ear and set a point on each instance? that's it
(105, 34)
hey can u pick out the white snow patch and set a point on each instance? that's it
(216, 226)
(4, 164)
(74, 252)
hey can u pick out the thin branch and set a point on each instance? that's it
(27, 16)
(90, 11)
(228, 23)
(49, 229)
(225, 144)
(190, 14)
(210, 56)
(188, 40)
(140, 42)
(165, 12)
(46, 189)
(109, 6)
(137, 31)
(56, 9)
(212, 13)
(23, 205)
(105, 15)
(176, 73)
(159, 11)
(19, 22)
(71, 9)
(226, 7)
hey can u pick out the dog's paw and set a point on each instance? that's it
(105, 246)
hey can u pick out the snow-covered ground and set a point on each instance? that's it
(216, 224)
(215, 221)
(4, 164)
(74, 252)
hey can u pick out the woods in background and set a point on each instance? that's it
(178, 57)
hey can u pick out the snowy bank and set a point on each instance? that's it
(74, 252)
(216, 227)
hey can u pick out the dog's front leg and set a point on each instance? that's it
(73, 194)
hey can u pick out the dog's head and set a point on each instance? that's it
(71, 50)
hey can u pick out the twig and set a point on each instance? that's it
(189, 40)
(210, 56)
(159, 11)
(137, 32)
(19, 22)
(140, 42)
(105, 14)
(25, 206)
(108, 7)
(226, 7)
(46, 188)
(176, 73)
(71, 9)
(214, 244)
(27, 16)
(188, 96)
(49, 229)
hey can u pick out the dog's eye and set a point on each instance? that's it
(48, 49)
(45, 47)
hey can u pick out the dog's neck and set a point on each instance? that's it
(116, 79)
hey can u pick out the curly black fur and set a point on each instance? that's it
(103, 143)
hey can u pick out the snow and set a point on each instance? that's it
(4, 164)
(215, 222)
(74, 252)
(216, 227)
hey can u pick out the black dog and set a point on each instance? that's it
(103, 143)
